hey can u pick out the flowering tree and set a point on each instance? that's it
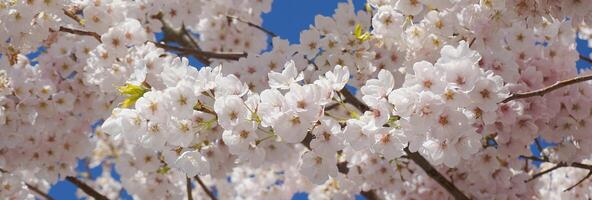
(407, 99)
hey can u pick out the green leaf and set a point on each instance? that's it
(359, 35)
(358, 31)
(132, 92)
(163, 170)
(368, 8)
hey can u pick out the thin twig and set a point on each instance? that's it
(188, 187)
(38, 191)
(180, 37)
(434, 174)
(86, 188)
(80, 32)
(32, 188)
(533, 158)
(268, 32)
(586, 58)
(206, 54)
(205, 188)
(545, 90)
(579, 182)
(557, 166)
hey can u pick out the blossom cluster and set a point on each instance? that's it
(348, 109)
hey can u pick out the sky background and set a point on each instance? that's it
(287, 19)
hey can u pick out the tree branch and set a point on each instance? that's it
(434, 174)
(545, 90)
(268, 32)
(80, 32)
(38, 191)
(32, 187)
(203, 54)
(181, 37)
(416, 157)
(86, 188)
(351, 99)
(586, 58)
(579, 182)
(205, 188)
(370, 195)
(557, 166)
(188, 187)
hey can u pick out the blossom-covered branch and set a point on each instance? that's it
(545, 90)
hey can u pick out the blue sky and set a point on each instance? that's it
(287, 19)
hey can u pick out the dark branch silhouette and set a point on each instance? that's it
(205, 188)
(86, 188)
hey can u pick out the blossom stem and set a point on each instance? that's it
(86, 188)
(205, 188)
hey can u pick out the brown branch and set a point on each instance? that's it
(80, 32)
(268, 32)
(545, 90)
(434, 174)
(370, 195)
(181, 37)
(351, 99)
(331, 107)
(86, 188)
(579, 182)
(38, 191)
(188, 187)
(557, 166)
(586, 58)
(416, 157)
(203, 54)
(32, 188)
(205, 188)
